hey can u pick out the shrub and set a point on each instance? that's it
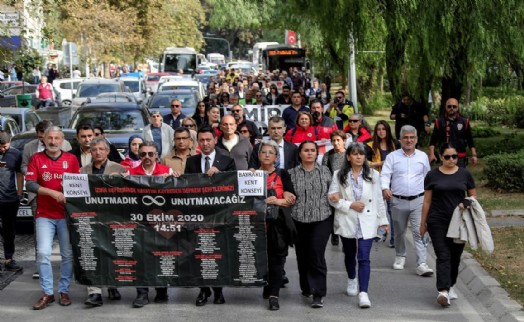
(379, 101)
(507, 143)
(519, 118)
(505, 171)
(496, 111)
(483, 132)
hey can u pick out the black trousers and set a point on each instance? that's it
(216, 290)
(311, 260)
(275, 265)
(9, 212)
(448, 254)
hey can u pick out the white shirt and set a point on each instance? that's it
(77, 73)
(86, 158)
(404, 174)
(211, 160)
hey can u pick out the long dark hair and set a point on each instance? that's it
(346, 167)
(390, 144)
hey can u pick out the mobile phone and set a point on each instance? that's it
(3, 164)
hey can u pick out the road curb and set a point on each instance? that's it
(488, 291)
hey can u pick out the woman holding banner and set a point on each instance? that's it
(280, 228)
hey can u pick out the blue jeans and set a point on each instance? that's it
(358, 250)
(45, 232)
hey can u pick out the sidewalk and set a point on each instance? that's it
(395, 296)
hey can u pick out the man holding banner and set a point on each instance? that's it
(209, 162)
(44, 177)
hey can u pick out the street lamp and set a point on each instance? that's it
(222, 39)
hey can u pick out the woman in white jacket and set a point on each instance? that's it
(359, 211)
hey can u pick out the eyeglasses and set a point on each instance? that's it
(268, 152)
(182, 138)
(149, 154)
(175, 105)
(450, 156)
(452, 106)
(189, 125)
(353, 121)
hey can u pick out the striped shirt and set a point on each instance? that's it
(311, 188)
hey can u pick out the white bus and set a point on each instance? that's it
(216, 58)
(179, 58)
(257, 51)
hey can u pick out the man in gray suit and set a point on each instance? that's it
(100, 164)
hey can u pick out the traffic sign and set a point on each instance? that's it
(70, 54)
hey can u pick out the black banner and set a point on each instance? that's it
(149, 231)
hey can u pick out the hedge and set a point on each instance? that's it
(505, 171)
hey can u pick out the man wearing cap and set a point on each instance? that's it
(160, 133)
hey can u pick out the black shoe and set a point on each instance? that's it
(94, 300)
(36, 275)
(273, 304)
(265, 293)
(285, 281)
(201, 299)
(317, 302)
(141, 300)
(219, 298)
(161, 295)
(12, 266)
(113, 294)
(334, 240)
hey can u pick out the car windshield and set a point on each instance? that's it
(153, 78)
(92, 90)
(163, 101)
(133, 86)
(111, 120)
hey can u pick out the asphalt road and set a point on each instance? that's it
(395, 296)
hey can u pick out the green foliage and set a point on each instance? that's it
(379, 101)
(507, 143)
(27, 60)
(519, 118)
(505, 171)
(496, 111)
(484, 132)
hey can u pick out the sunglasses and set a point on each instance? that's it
(353, 121)
(450, 156)
(175, 105)
(189, 125)
(149, 154)
(235, 111)
(182, 138)
(452, 106)
(244, 131)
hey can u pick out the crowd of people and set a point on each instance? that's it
(371, 183)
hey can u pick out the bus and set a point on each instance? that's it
(283, 57)
(257, 51)
(179, 58)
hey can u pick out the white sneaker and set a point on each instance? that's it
(352, 289)
(452, 294)
(424, 270)
(399, 262)
(363, 300)
(443, 299)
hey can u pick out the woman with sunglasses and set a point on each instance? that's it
(224, 99)
(356, 195)
(200, 114)
(444, 189)
(272, 96)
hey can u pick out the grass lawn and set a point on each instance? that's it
(506, 264)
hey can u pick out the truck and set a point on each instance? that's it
(174, 59)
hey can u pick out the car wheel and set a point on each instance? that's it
(66, 103)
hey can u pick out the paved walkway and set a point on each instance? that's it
(395, 296)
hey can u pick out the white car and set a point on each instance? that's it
(185, 83)
(63, 86)
(137, 86)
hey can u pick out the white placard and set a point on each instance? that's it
(251, 183)
(76, 185)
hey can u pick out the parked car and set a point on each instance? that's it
(93, 87)
(137, 86)
(162, 100)
(152, 81)
(63, 86)
(26, 118)
(118, 97)
(9, 125)
(119, 121)
(27, 208)
(8, 84)
(8, 96)
(189, 84)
